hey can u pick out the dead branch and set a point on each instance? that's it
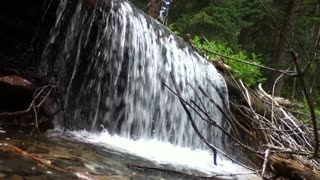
(289, 73)
(212, 122)
(300, 71)
(309, 99)
(282, 135)
(211, 146)
(214, 149)
(36, 126)
(231, 175)
(266, 157)
(38, 99)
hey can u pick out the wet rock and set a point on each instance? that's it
(15, 93)
(12, 163)
(38, 150)
(81, 160)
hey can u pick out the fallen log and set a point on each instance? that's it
(291, 167)
(15, 93)
(17, 82)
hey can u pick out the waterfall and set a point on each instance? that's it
(111, 62)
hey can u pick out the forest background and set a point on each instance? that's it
(262, 32)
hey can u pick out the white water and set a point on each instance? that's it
(111, 63)
(162, 153)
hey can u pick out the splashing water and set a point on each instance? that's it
(112, 61)
(161, 153)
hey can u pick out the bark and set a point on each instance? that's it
(315, 35)
(315, 38)
(281, 52)
(293, 168)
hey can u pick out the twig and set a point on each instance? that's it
(277, 130)
(236, 174)
(266, 156)
(33, 103)
(289, 73)
(205, 109)
(36, 127)
(309, 101)
(211, 146)
(272, 102)
(300, 74)
(34, 106)
(223, 130)
(212, 122)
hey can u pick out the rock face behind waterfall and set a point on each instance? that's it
(112, 61)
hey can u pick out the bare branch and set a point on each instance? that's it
(289, 73)
(309, 102)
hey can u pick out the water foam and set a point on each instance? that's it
(163, 153)
(112, 62)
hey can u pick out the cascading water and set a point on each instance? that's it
(112, 61)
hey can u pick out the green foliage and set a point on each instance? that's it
(308, 23)
(219, 21)
(251, 75)
(241, 27)
(174, 29)
(304, 114)
(311, 15)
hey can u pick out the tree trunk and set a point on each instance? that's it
(315, 38)
(281, 51)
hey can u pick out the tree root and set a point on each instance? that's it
(39, 100)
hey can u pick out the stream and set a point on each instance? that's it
(102, 156)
